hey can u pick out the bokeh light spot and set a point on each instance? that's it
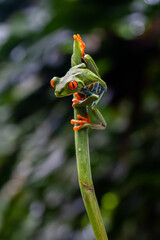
(152, 2)
(110, 201)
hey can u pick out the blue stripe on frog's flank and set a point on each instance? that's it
(93, 88)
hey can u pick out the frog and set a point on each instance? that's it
(84, 82)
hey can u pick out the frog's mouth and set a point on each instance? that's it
(61, 94)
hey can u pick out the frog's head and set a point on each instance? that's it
(66, 85)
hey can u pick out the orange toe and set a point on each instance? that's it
(76, 128)
(81, 122)
(82, 44)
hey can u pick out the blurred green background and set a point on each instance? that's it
(39, 192)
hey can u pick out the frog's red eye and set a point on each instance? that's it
(52, 82)
(72, 85)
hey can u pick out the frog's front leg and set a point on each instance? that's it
(83, 102)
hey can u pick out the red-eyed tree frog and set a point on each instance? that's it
(84, 82)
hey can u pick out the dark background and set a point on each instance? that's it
(39, 192)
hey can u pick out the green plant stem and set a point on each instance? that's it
(83, 165)
(85, 179)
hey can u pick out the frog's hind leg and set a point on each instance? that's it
(98, 115)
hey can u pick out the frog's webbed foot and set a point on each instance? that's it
(82, 44)
(83, 122)
(86, 122)
(77, 100)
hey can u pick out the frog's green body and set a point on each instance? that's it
(83, 76)
(85, 83)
